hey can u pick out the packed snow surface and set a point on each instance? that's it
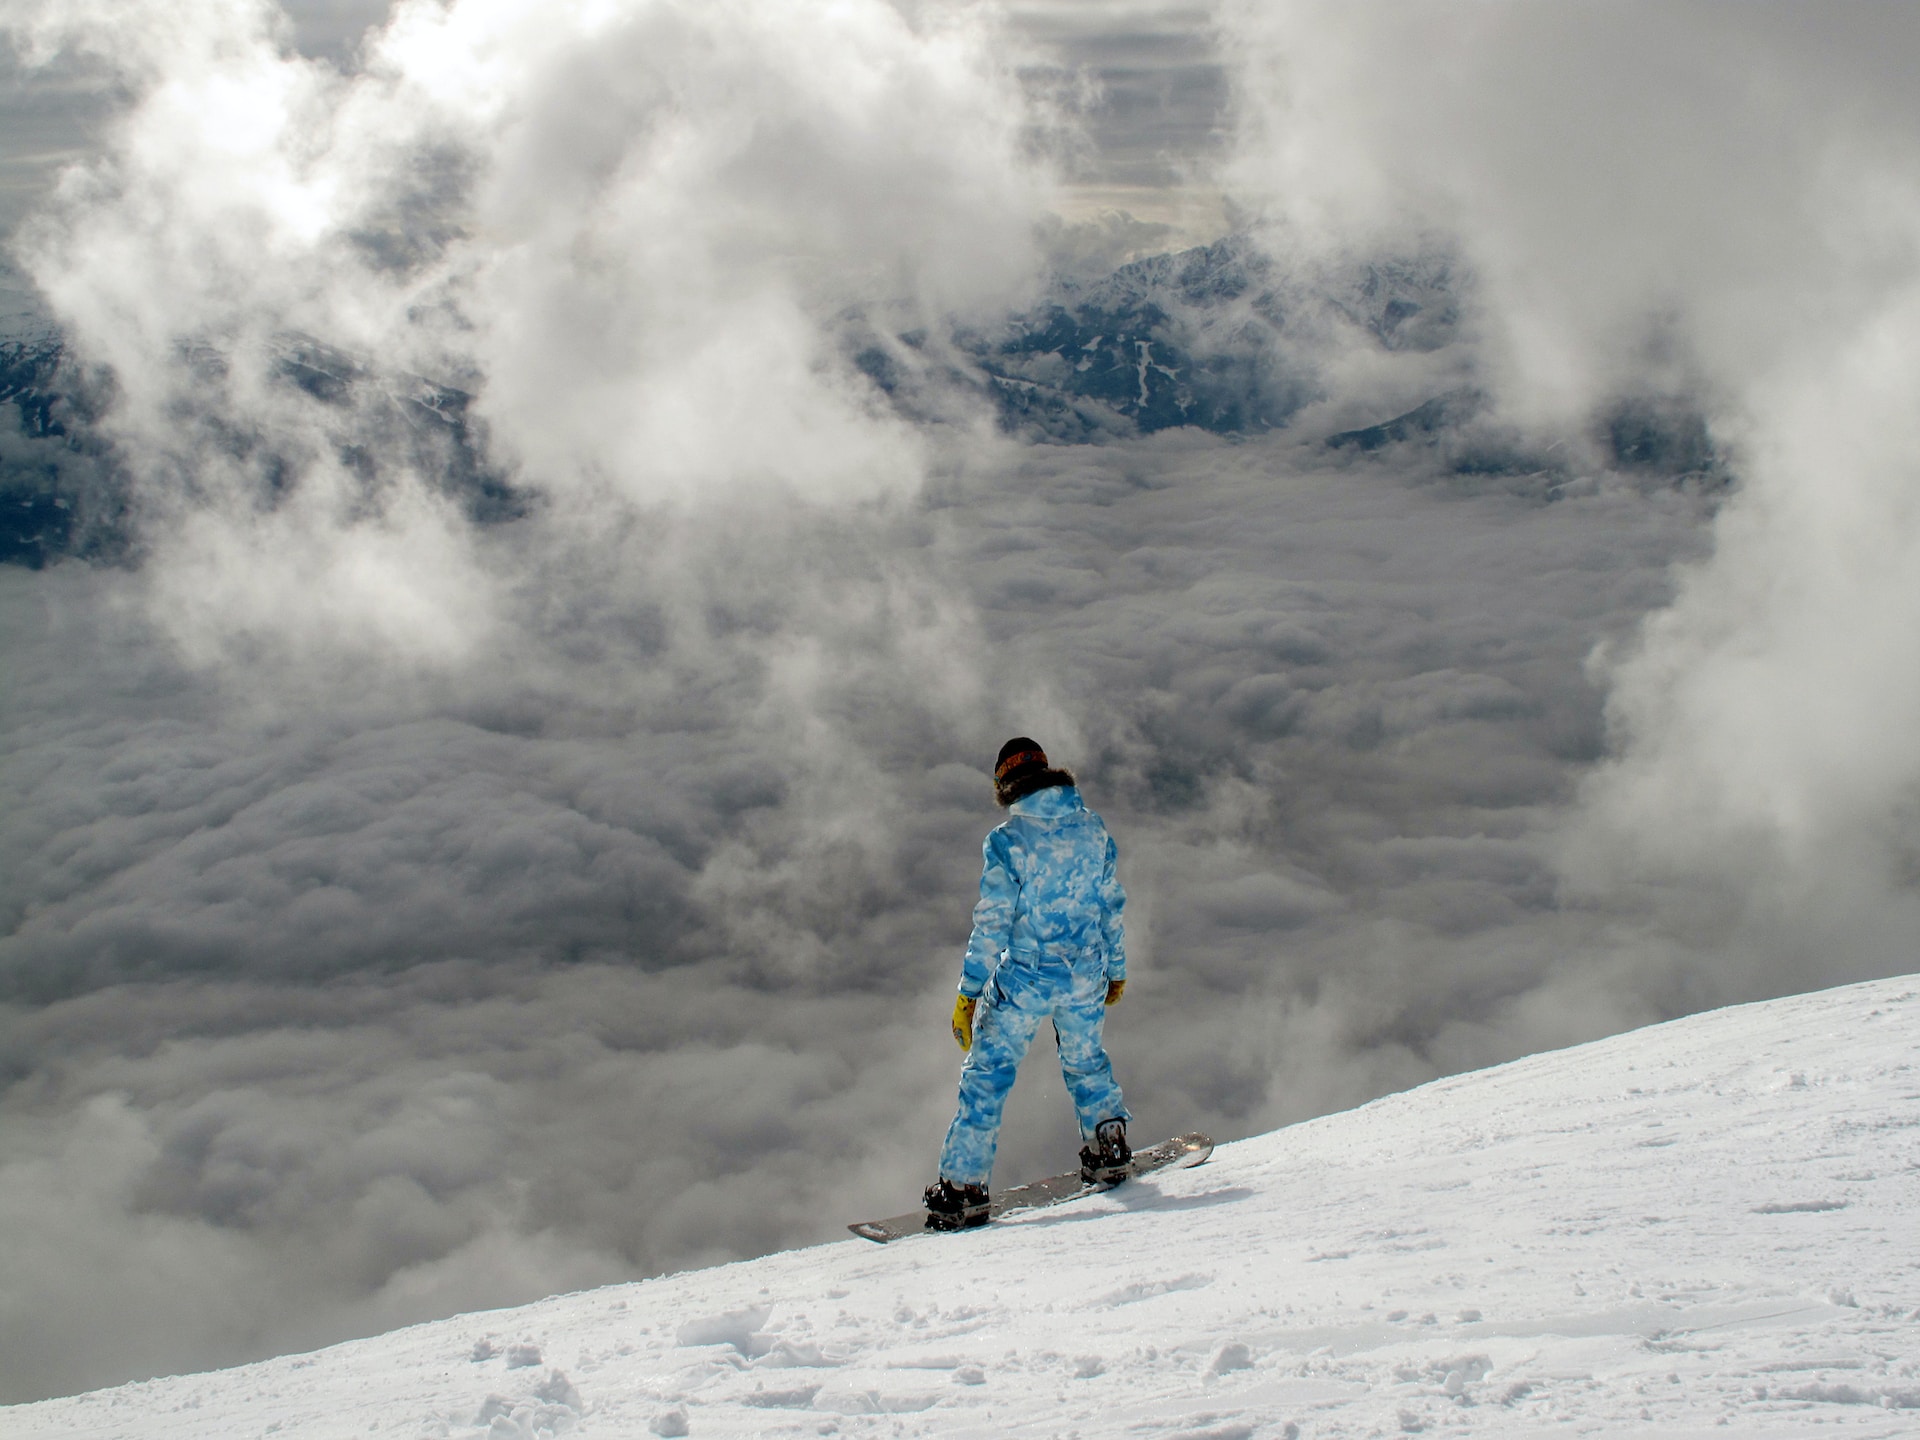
(1705, 1227)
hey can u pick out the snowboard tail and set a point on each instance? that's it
(1178, 1153)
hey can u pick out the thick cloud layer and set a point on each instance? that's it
(407, 910)
(631, 948)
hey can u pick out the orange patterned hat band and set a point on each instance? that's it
(1019, 760)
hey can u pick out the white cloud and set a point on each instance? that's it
(1720, 201)
(632, 230)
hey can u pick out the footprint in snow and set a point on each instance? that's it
(1148, 1290)
(799, 1398)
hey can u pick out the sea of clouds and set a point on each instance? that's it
(404, 911)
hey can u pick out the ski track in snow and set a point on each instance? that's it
(1702, 1228)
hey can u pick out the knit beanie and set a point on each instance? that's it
(1017, 755)
(1021, 769)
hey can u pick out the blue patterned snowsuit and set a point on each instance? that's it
(1046, 939)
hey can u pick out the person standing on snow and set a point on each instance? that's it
(1047, 943)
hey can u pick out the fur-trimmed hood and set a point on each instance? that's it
(1050, 803)
(1022, 783)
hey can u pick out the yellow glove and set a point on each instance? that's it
(963, 1019)
(1115, 989)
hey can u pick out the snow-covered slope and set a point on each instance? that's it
(1709, 1223)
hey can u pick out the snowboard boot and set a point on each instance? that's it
(1108, 1160)
(954, 1207)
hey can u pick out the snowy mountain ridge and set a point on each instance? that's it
(1218, 338)
(1705, 1225)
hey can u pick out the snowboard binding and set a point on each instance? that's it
(1181, 1151)
(955, 1207)
(1109, 1160)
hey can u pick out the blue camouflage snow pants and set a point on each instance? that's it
(1024, 991)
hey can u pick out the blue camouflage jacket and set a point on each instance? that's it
(1048, 888)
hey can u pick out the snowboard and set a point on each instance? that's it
(1178, 1153)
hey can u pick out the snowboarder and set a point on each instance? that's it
(1047, 944)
